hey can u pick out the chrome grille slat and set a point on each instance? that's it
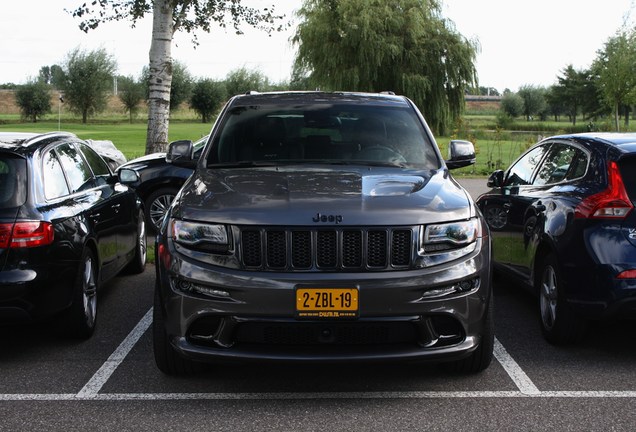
(325, 249)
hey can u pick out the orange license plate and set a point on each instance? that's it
(326, 302)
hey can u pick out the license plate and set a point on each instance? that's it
(326, 302)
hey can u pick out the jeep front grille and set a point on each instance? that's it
(279, 249)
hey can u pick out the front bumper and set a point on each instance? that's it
(245, 315)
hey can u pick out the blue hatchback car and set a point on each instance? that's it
(563, 223)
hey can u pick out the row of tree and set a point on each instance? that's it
(607, 87)
(86, 79)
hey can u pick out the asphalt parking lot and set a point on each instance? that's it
(110, 381)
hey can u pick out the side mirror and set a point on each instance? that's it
(496, 179)
(460, 154)
(128, 176)
(180, 154)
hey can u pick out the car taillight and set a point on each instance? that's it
(26, 234)
(613, 202)
(627, 274)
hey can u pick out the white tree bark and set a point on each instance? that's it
(160, 76)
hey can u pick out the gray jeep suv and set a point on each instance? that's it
(322, 227)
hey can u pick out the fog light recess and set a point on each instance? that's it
(457, 288)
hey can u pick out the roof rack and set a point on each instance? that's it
(47, 136)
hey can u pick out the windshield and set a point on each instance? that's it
(12, 181)
(323, 133)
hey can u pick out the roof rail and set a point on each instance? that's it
(47, 136)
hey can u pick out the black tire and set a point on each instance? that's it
(81, 317)
(167, 359)
(560, 325)
(138, 263)
(481, 358)
(156, 206)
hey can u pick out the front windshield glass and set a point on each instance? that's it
(321, 133)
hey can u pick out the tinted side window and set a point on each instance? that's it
(98, 166)
(54, 181)
(521, 172)
(13, 182)
(564, 162)
(77, 171)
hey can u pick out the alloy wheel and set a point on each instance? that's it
(548, 297)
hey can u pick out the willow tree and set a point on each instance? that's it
(168, 17)
(405, 46)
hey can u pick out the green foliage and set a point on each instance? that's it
(87, 80)
(614, 68)
(372, 45)
(570, 94)
(504, 120)
(207, 97)
(188, 15)
(533, 100)
(34, 100)
(512, 105)
(241, 80)
(131, 93)
(182, 83)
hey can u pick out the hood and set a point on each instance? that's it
(311, 196)
(146, 160)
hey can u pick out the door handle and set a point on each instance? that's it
(116, 207)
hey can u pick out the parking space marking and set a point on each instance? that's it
(97, 381)
(518, 376)
(91, 391)
(50, 397)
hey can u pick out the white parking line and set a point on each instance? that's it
(91, 390)
(95, 384)
(521, 380)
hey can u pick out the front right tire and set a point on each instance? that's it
(481, 358)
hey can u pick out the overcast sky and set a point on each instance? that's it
(522, 42)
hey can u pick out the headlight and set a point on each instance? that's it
(199, 235)
(453, 234)
(445, 242)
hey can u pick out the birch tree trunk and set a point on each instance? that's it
(160, 76)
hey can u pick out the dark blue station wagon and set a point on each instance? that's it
(563, 223)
